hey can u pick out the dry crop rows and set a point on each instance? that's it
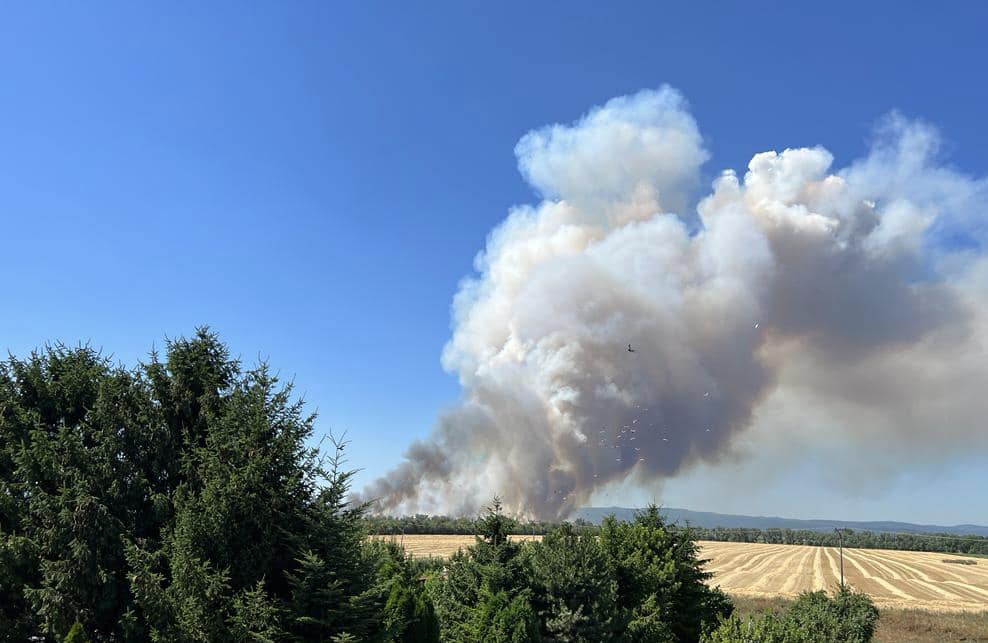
(892, 578)
(439, 545)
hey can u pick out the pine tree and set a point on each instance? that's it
(179, 500)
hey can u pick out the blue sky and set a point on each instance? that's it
(312, 180)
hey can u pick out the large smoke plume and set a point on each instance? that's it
(856, 297)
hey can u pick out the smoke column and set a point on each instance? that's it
(857, 295)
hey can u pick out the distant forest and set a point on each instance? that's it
(944, 543)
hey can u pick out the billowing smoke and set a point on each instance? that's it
(855, 297)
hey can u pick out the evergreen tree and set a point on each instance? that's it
(574, 591)
(76, 634)
(660, 579)
(179, 500)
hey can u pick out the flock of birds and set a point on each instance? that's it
(624, 440)
(628, 433)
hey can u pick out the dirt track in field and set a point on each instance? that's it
(904, 579)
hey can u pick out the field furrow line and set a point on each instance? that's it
(921, 580)
(867, 576)
(755, 564)
(978, 592)
(832, 559)
(724, 558)
(919, 566)
(801, 576)
(892, 570)
(819, 578)
(778, 571)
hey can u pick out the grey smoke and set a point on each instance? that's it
(795, 286)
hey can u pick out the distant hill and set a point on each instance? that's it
(710, 520)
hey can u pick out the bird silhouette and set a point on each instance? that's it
(630, 349)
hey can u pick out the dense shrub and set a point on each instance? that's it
(76, 634)
(815, 617)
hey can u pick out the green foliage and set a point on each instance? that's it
(815, 617)
(18, 571)
(482, 594)
(500, 619)
(660, 575)
(255, 616)
(493, 528)
(409, 615)
(847, 616)
(574, 591)
(76, 634)
(636, 581)
(181, 501)
(767, 628)
(423, 626)
(175, 501)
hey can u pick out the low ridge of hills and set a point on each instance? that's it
(710, 520)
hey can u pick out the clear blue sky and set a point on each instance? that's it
(313, 179)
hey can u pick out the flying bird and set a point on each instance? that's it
(630, 349)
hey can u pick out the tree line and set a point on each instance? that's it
(182, 500)
(943, 543)
(457, 525)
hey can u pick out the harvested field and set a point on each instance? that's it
(899, 579)
(439, 545)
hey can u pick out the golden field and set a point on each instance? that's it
(899, 579)
(439, 545)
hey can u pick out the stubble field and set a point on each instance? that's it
(897, 579)
(440, 546)
(900, 579)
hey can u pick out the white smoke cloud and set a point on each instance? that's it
(635, 149)
(797, 290)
